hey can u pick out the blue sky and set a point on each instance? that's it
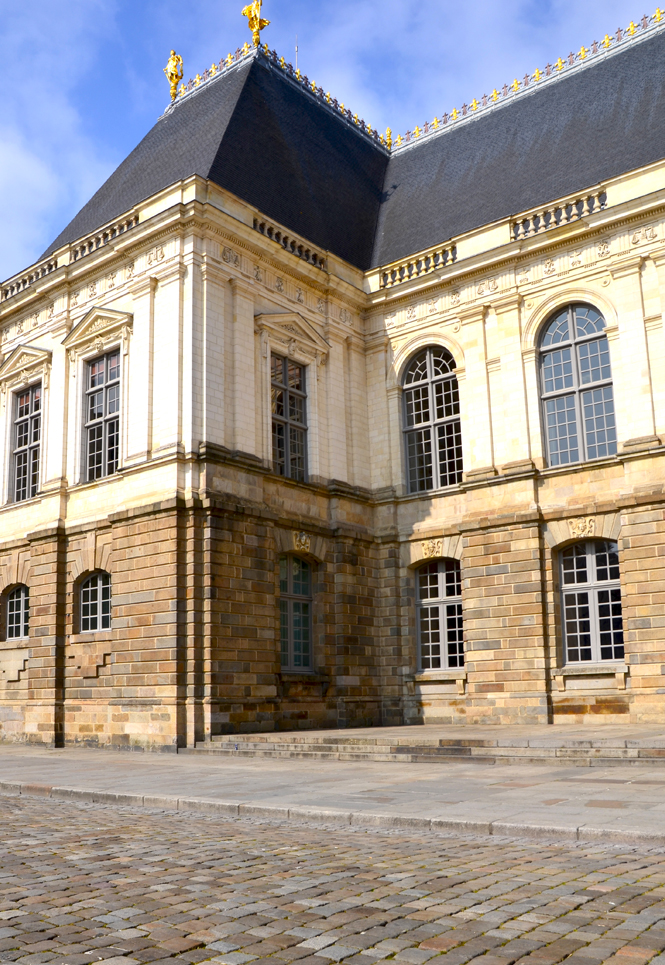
(83, 79)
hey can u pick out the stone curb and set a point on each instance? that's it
(328, 816)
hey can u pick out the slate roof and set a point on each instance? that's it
(260, 136)
(268, 141)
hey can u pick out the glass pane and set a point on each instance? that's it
(37, 398)
(558, 370)
(442, 362)
(419, 460)
(577, 622)
(296, 453)
(23, 405)
(454, 635)
(417, 406)
(301, 641)
(301, 573)
(284, 632)
(588, 321)
(277, 369)
(21, 477)
(610, 624)
(446, 398)
(34, 472)
(599, 424)
(96, 373)
(283, 574)
(36, 429)
(562, 430)
(428, 582)
(95, 452)
(417, 370)
(18, 613)
(22, 432)
(595, 361)
(430, 638)
(296, 377)
(453, 578)
(297, 409)
(113, 400)
(607, 562)
(112, 446)
(95, 406)
(557, 331)
(114, 366)
(279, 448)
(278, 407)
(449, 437)
(574, 564)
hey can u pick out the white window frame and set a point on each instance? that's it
(573, 611)
(440, 614)
(102, 580)
(31, 448)
(24, 367)
(23, 592)
(105, 398)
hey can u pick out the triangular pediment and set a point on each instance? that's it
(98, 323)
(291, 326)
(23, 363)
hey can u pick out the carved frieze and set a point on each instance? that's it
(582, 528)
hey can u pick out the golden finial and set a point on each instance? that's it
(313, 86)
(454, 114)
(435, 123)
(282, 63)
(183, 90)
(173, 71)
(254, 20)
(245, 47)
(658, 16)
(631, 28)
(229, 59)
(515, 85)
(559, 64)
(416, 131)
(495, 95)
(355, 119)
(369, 129)
(583, 52)
(389, 138)
(399, 140)
(537, 74)
(474, 104)
(266, 49)
(213, 69)
(197, 80)
(298, 73)
(328, 97)
(341, 107)
(607, 40)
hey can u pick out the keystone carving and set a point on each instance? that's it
(582, 528)
(432, 547)
(302, 542)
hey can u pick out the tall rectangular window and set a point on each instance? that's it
(439, 614)
(27, 442)
(289, 418)
(295, 613)
(102, 416)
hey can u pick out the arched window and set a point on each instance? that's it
(95, 603)
(578, 404)
(591, 602)
(18, 613)
(432, 421)
(440, 628)
(295, 613)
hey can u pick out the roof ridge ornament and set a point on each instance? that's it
(254, 20)
(174, 72)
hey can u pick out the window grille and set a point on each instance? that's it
(18, 613)
(27, 442)
(289, 418)
(591, 602)
(440, 621)
(102, 419)
(295, 613)
(576, 376)
(95, 602)
(433, 435)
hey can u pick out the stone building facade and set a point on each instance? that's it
(266, 473)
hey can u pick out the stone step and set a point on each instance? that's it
(601, 752)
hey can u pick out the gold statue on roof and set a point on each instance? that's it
(174, 73)
(254, 20)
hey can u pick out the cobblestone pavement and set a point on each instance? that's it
(85, 883)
